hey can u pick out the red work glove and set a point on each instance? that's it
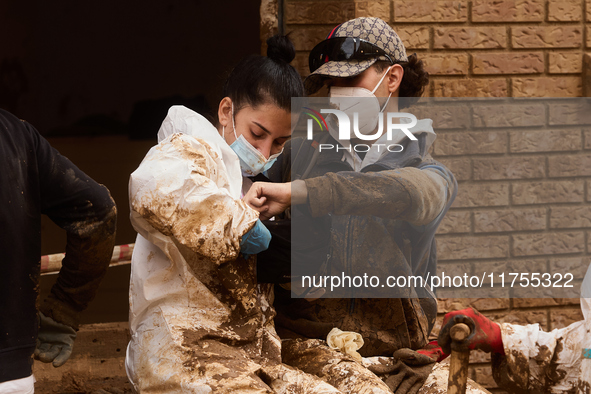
(434, 351)
(484, 333)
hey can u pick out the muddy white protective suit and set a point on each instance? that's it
(558, 361)
(199, 322)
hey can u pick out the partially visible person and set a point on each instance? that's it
(35, 180)
(199, 321)
(363, 209)
(527, 359)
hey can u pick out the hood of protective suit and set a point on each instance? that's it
(183, 120)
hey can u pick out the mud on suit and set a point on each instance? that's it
(35, 179)
(558, 361)
(382, 212)
(199, 322)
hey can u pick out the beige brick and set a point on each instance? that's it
(509, 220)
(507, 11)
(548, 243)
(455, 222)
(414, 37)
(463, 143)
(560, 318)
(569, 165)
(516, 114)
(374, 8)
(430, 11)
(577, 266)
(544, 140)
(316, 12)
(445, 115)
(570, 217)
(498, 268)
(490, 304)
(522, 317)
(533, 302)
(453, 269)
(508, 63)
(527, 286)
(306, 38)
(482, 195)
(509, 168)
(483, 376)
(564, 63)
(467, 248)
(461, 168)
(469, 37)
(564, 11)
(587, 139)
(548, 87)
(586, 72)
(547, 192)
(446, 305)
(570, 112)
(447, 64)
(547, 36)
(470, 87)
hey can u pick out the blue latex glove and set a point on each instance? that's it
(54, 342)
(256, 240)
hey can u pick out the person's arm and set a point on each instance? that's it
(87, 212)
(525, 358)
(416, 195)
(181, 190)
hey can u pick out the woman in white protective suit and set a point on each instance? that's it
(527, 359)
(199, 321)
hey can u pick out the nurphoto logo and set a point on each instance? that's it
(348, 130)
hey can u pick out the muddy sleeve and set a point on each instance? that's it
(87, 212)
(537, 361)
(411, 194)
(181, 190)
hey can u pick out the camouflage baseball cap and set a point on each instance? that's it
(372, 30)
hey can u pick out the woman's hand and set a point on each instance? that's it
(269, 199)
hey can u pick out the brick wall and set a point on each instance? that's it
(522, 204)
(478, 48)
(524, 172)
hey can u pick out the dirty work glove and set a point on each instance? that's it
(484, 333)
(255, 240)
(407, 373)
(434, 351)
(54, 342)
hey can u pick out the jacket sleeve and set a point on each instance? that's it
(539, 361)
(416, 195)
(87, 212)
(181, 190)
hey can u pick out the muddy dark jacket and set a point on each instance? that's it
(380, 222)
(35, 179)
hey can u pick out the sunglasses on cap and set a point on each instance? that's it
(344, 48)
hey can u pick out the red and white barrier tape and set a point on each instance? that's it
(53, 262)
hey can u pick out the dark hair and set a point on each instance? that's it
(259, 80)
(413, 82)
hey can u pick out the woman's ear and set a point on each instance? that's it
(394, 79)
(225, 112)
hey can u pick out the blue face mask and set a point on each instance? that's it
(252, 162)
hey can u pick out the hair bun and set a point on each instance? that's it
(280, 48)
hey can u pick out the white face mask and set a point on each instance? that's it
(362, 101)
(252, 162)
